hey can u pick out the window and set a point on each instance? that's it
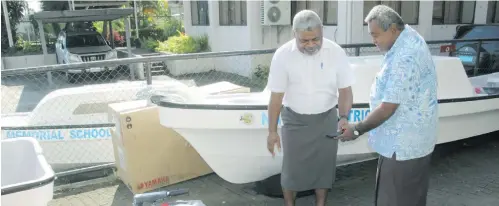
(408, 10)
(478, 32)
(453, 12)
(327, 10)
(85, 40)
(199, 13)
(232, 13)
(493, 12)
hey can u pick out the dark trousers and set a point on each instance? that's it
(402, 183)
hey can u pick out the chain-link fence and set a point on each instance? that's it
(66, 108)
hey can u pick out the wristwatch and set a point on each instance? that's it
(343, 116)
(355, 131)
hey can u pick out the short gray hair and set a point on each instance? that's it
(385, 17)
(306, 20)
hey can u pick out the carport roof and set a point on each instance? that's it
(82, 15)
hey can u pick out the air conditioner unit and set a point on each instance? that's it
(275, 12)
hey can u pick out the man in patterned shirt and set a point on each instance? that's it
(403, 121)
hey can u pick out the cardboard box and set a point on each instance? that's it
(149, 156)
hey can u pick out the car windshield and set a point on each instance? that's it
(85, 40)
(479, 32)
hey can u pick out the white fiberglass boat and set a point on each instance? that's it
(230, 131)
(72, 124)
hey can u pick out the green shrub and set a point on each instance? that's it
(202, 41)
(149, 43)
(260, 76)
(183, 44)
(27, 47)
(159, 30)
(170, 28)
(262, 72)
(154, 33)
(118, 25)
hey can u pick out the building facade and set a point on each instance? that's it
(238, 25)
(228, 22)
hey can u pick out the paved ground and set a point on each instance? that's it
(464, 173)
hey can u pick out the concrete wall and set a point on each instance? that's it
(15, 62)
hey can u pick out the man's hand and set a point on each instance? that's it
(272, 140)
(347, 134)
(342, 124)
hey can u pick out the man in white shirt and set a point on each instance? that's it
(309, 76)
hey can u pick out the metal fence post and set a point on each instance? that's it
(357, 51)
(44, 49)
(477, 60)
(129, 46)
(148, 73)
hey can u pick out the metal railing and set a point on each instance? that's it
(23, 89)
(357, 51)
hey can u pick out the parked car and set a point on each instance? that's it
(83, 44)
(467, 51)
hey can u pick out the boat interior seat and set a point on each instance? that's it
(453, 82)
(452, 79)
(78, 105)
(89, 104)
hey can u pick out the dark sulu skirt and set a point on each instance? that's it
(309, 157)
(402, 183)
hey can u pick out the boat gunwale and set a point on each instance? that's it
(48, 177)
(167, 104)
(163, 103)
(24, 187)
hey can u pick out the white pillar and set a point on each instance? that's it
(356, 15)
(425, 22)
(481, 12)
(7, 23)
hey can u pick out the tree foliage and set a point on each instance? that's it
(15, 10)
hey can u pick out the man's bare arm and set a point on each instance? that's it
(274, 109)
(379, 115)
(345, 101)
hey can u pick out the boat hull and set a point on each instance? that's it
(72, 125)
(70, 146)
(234, 146)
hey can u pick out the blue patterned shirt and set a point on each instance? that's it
(408, 78)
